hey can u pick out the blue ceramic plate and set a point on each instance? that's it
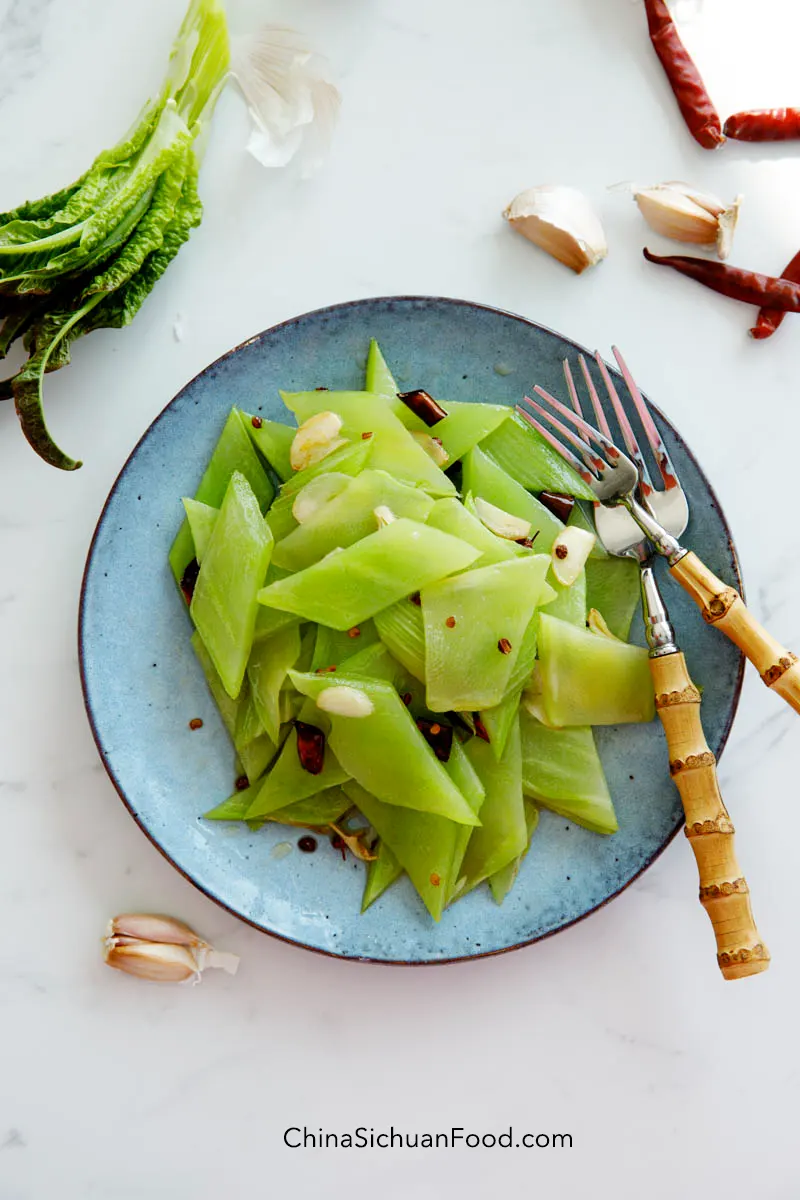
(142, 683)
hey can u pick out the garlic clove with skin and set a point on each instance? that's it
(161, 949)
(685, 214)
(560, 221)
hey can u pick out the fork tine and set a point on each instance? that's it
(591, 458)
(573, 391)
(589, 433)
(648, 424)
(629, 437)
(599, 411)
(566, 454)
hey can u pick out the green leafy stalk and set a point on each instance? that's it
(86, 257)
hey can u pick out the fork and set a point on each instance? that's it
(614, 479)
(723, 890)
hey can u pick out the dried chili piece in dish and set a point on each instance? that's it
(769, 319)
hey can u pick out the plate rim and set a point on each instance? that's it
(273, 329)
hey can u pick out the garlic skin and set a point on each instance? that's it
(560, 221)
(570, 551)
(315, 439)
(161, 949)
(294, 107)
(678, 211)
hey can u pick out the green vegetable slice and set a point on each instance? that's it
(379, 378)
(503, 881)
(591, 679)
(503, 834)
(531, 461)
(381, 874)
(356, 583)
(561, 769)
(224, 603)
(485, 478)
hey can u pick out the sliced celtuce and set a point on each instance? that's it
(612, 587)
(233, 452)
(386, 753)
(560, 221)
(224, 603)
(485, 480)
(382, 871)
(288, 781)
(503, 835)
(588, 679)
(530, 460)
(315, 439)
(570, 551)
(316, 494)
(678, 211)
(202, 518)
(561, 769)
(349, 516)
(474, 628)
(350, 585)
(451, 516)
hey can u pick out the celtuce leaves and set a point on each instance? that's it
(87, 256)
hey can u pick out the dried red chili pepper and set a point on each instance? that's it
(480, 728)
(764, 125)
(559, 504)
(310, 747)
(423, 406)
(738, 284)
(701, 117)
(769, 319)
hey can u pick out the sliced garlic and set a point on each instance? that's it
(597, 623)
(161, 949)
(317, 492)
(316, 439)
(345, 701)
(383, 515)
(570, 552)
(354, 843)
(432, 447)
(504, 524)
(678, 211)
(560, 221)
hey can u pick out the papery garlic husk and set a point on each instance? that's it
(560, 221)
(161, 949)
(678, 211)
(570, 551)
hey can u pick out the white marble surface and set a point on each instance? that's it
(619, 1030)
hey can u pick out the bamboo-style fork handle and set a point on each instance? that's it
(723, 889)
(723, 607)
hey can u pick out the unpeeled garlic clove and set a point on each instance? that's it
(570, 551)
(501, 523)
(316, 439)
(160, 948)
(560, 221)
(677, 210)
(158, 961)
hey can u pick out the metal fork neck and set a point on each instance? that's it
(663, 542)
(658, 631)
